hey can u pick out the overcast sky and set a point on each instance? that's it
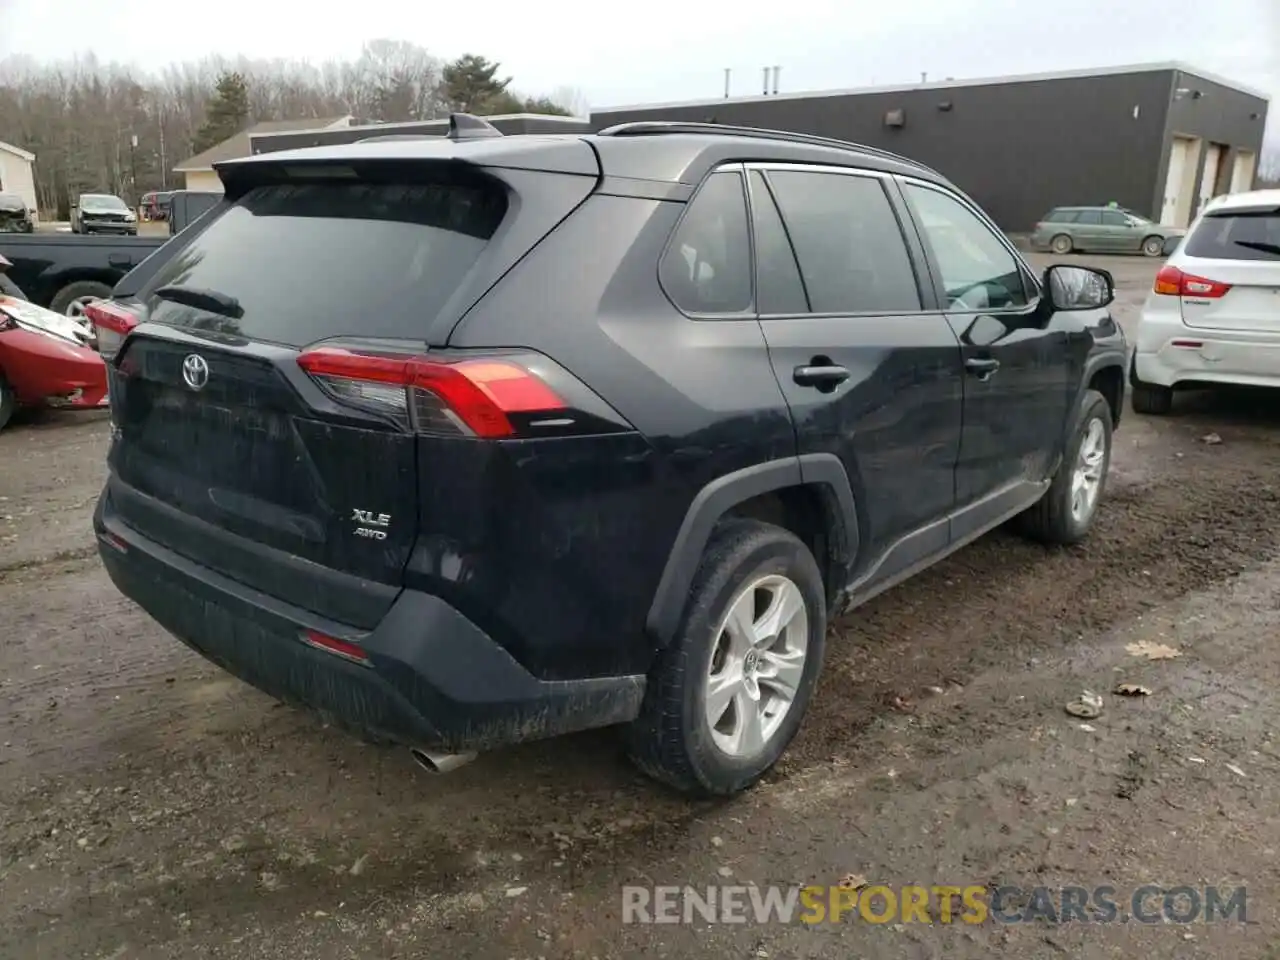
(663, 50)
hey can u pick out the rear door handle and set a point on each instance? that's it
(983, 367)
(820, 376)
(119, 260)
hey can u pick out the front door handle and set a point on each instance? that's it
(121, 260)
(982, 367)
(828, 376)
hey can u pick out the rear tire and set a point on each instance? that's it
(755, 571)
(1064, 515)
(1149, 398)
(70, 299)
(1061, 245)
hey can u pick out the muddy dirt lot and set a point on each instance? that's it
(151, 806)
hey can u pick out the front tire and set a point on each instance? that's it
(1153, 247)
(728, 694)
(8, 402)
(1064, 515)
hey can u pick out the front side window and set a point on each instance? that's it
(1114, 218)
(707, 267)
(848, 241)
(978, 271)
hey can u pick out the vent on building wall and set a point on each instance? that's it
(895, 118)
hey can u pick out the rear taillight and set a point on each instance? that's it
(472, 397)
(339, 648)
(1172, 282)
(111, 324)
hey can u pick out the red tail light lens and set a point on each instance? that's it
(1172, 282)
(339, 648)
(111, 324)
(471, 397)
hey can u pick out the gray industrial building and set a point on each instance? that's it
(1160, 139)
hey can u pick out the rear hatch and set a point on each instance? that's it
(235, 447)
(1230, 271)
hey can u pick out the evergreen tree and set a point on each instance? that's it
(470, 85)
(227, 113)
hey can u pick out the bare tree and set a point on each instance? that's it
(103, 126)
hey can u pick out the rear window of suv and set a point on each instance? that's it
(1242, 234)
(307, 261)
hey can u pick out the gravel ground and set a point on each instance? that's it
(151, 806)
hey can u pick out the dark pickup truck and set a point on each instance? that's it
(65, 271)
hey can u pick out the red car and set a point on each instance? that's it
(45, 359)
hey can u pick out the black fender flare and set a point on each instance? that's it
(717, 498)
(1113, 357)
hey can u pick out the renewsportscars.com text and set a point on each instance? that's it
(971, 904)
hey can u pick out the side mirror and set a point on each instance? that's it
(1079, 288)
(1171, 245)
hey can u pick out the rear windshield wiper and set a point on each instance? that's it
(201, 299)
(1259, 245)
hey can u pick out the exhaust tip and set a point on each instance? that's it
(441, 763)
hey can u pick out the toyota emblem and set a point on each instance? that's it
(195, 371)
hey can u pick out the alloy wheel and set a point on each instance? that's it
(1086, 479)
(756, 665)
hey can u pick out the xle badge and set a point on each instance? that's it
(370, 525)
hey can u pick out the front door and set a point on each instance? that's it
(1088, 234)
(870, 367)
(1017, 386)
(1119, 234)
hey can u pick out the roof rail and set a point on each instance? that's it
(464, 126)
(647, 127)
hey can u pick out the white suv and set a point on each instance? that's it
(1213, 315)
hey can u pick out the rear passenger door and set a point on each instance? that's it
(1088, 232)
(1019, 376)
(870, 367)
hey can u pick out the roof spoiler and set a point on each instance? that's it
(462, 126)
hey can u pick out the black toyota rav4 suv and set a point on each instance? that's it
(475, 439)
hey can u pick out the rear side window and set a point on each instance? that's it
(1092, 217)
(308, 261)
(707, 266)
(848, 242)
(780, 289)
(1061, 216)
(1236, 235)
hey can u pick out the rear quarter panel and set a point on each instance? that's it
(701, 396)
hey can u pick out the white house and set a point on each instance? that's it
(16, 173)
(199, 172)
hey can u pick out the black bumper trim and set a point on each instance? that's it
(437, 681)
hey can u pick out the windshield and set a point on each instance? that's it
(1237, 235)
(301, 262)
(97, 201)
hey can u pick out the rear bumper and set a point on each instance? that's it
(1169, 353)
(435, 680)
